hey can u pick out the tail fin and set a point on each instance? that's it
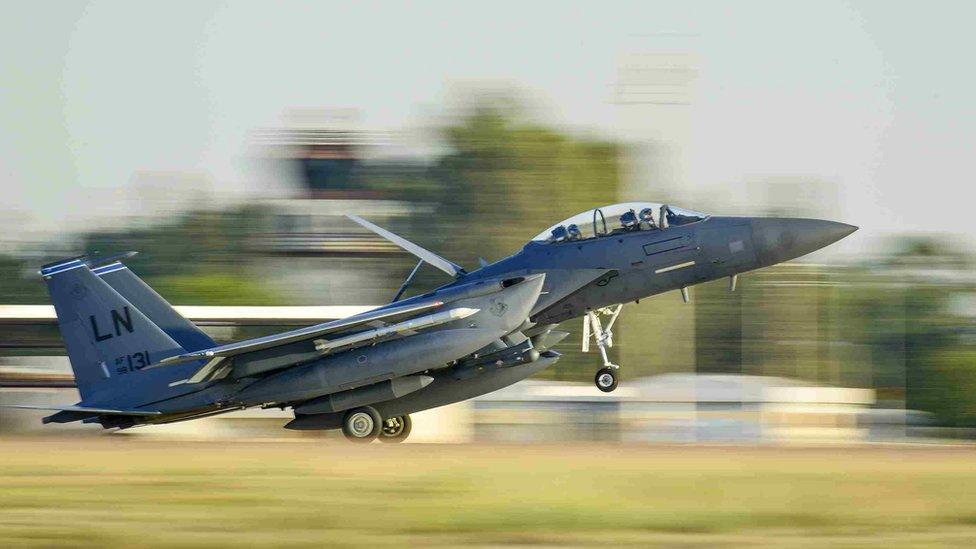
(107, 337)
(156, 309)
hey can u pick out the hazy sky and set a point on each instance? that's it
(877, 97)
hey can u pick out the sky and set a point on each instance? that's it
(874, 97)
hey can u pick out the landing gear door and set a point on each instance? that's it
(728, 247)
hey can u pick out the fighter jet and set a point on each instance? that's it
(137, 362)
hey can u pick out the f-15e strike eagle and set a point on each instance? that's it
(137, 361)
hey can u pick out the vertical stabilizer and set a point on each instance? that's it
(109, 340)
(156, 309)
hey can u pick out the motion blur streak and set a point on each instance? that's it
(892, 317)
(228, 495)
(226, 141)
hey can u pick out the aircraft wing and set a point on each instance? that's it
(86, 410)
(371, 318)
(428, 256)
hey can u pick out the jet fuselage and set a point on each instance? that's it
(619, 267)
(626, 266)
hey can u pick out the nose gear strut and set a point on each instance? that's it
(606, 377)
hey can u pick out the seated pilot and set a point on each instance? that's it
(558, 234)
(629, 221)
(647, 219)
(574, 232)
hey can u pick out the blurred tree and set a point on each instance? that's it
(718, 329)
(943, 382)
(901, 311)
(505, 179)
(19, 282)
(214, 288)
(200, 258)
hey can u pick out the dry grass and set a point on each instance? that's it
(117, 491)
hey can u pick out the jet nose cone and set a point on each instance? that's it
(838, 230)
(782, 239)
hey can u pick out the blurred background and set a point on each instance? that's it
(225, 141)
(831, 399)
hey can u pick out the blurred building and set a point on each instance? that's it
(653, 94)
(339, 168)
(670, 408)
(674, 408)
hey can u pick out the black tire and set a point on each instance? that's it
(397, 433)
(362, 425)
(604, 383)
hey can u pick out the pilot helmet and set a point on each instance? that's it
(574, 232)
(647, 215)
(628, 219)
(559, 233)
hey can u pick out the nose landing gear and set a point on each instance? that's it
(606, 377)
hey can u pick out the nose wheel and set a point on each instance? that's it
(606, 377)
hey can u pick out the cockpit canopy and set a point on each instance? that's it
(616, 219)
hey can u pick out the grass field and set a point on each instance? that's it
(118, 491)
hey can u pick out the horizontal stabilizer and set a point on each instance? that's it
(430, 257)
(86, 410)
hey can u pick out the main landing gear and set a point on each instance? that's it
(606, 377)
(396, 429)
(364, 425)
